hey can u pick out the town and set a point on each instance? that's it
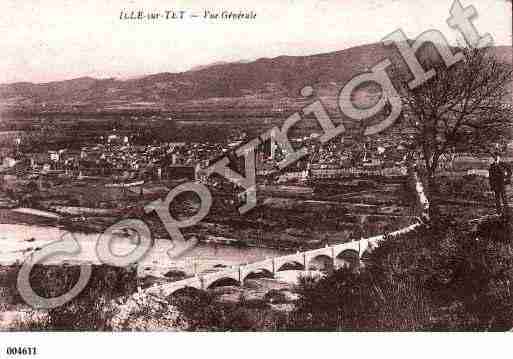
(113, 174)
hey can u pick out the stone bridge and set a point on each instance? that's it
(326, 258)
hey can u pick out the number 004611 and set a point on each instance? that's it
(21, 351)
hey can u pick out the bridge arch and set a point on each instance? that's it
(222, 282)
(321, 262)
(290, 265)
(348, 259)
(257, 273)
(186, 291)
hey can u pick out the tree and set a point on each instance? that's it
(462, 107)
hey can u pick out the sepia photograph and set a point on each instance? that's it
(258, 166)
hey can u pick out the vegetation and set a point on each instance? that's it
(443, 278)
(92, 309)
(474, 188)
(460, 108)
(202, 311)
(450, 276)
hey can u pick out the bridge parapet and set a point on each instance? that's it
(369, 244)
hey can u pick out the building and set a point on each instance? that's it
(177, 172)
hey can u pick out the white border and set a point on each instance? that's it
(79, 345)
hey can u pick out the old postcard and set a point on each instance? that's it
(269, 166)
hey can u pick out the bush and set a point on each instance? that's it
(92, 309)
(9, 294)
(275, 296)
(443, 278)
(143, 312)
(201, 311)
(469, 187)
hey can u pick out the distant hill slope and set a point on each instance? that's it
(261, 86)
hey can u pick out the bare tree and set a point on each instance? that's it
(463, 107)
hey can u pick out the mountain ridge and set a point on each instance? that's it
(265, 85)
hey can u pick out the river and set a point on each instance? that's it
(18, 241)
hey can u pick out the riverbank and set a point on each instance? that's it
(8, 216)
(17, 241)
(241, 232)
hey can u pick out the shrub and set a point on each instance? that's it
(443, 278)
(468, 187)
(9, 294)
(90, 310)
(201, 311)
(143, 312)
(275, 296)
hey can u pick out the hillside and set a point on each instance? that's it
(260, 87)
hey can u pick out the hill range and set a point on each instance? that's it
(262, 87)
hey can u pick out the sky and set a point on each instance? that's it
(52, 40)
